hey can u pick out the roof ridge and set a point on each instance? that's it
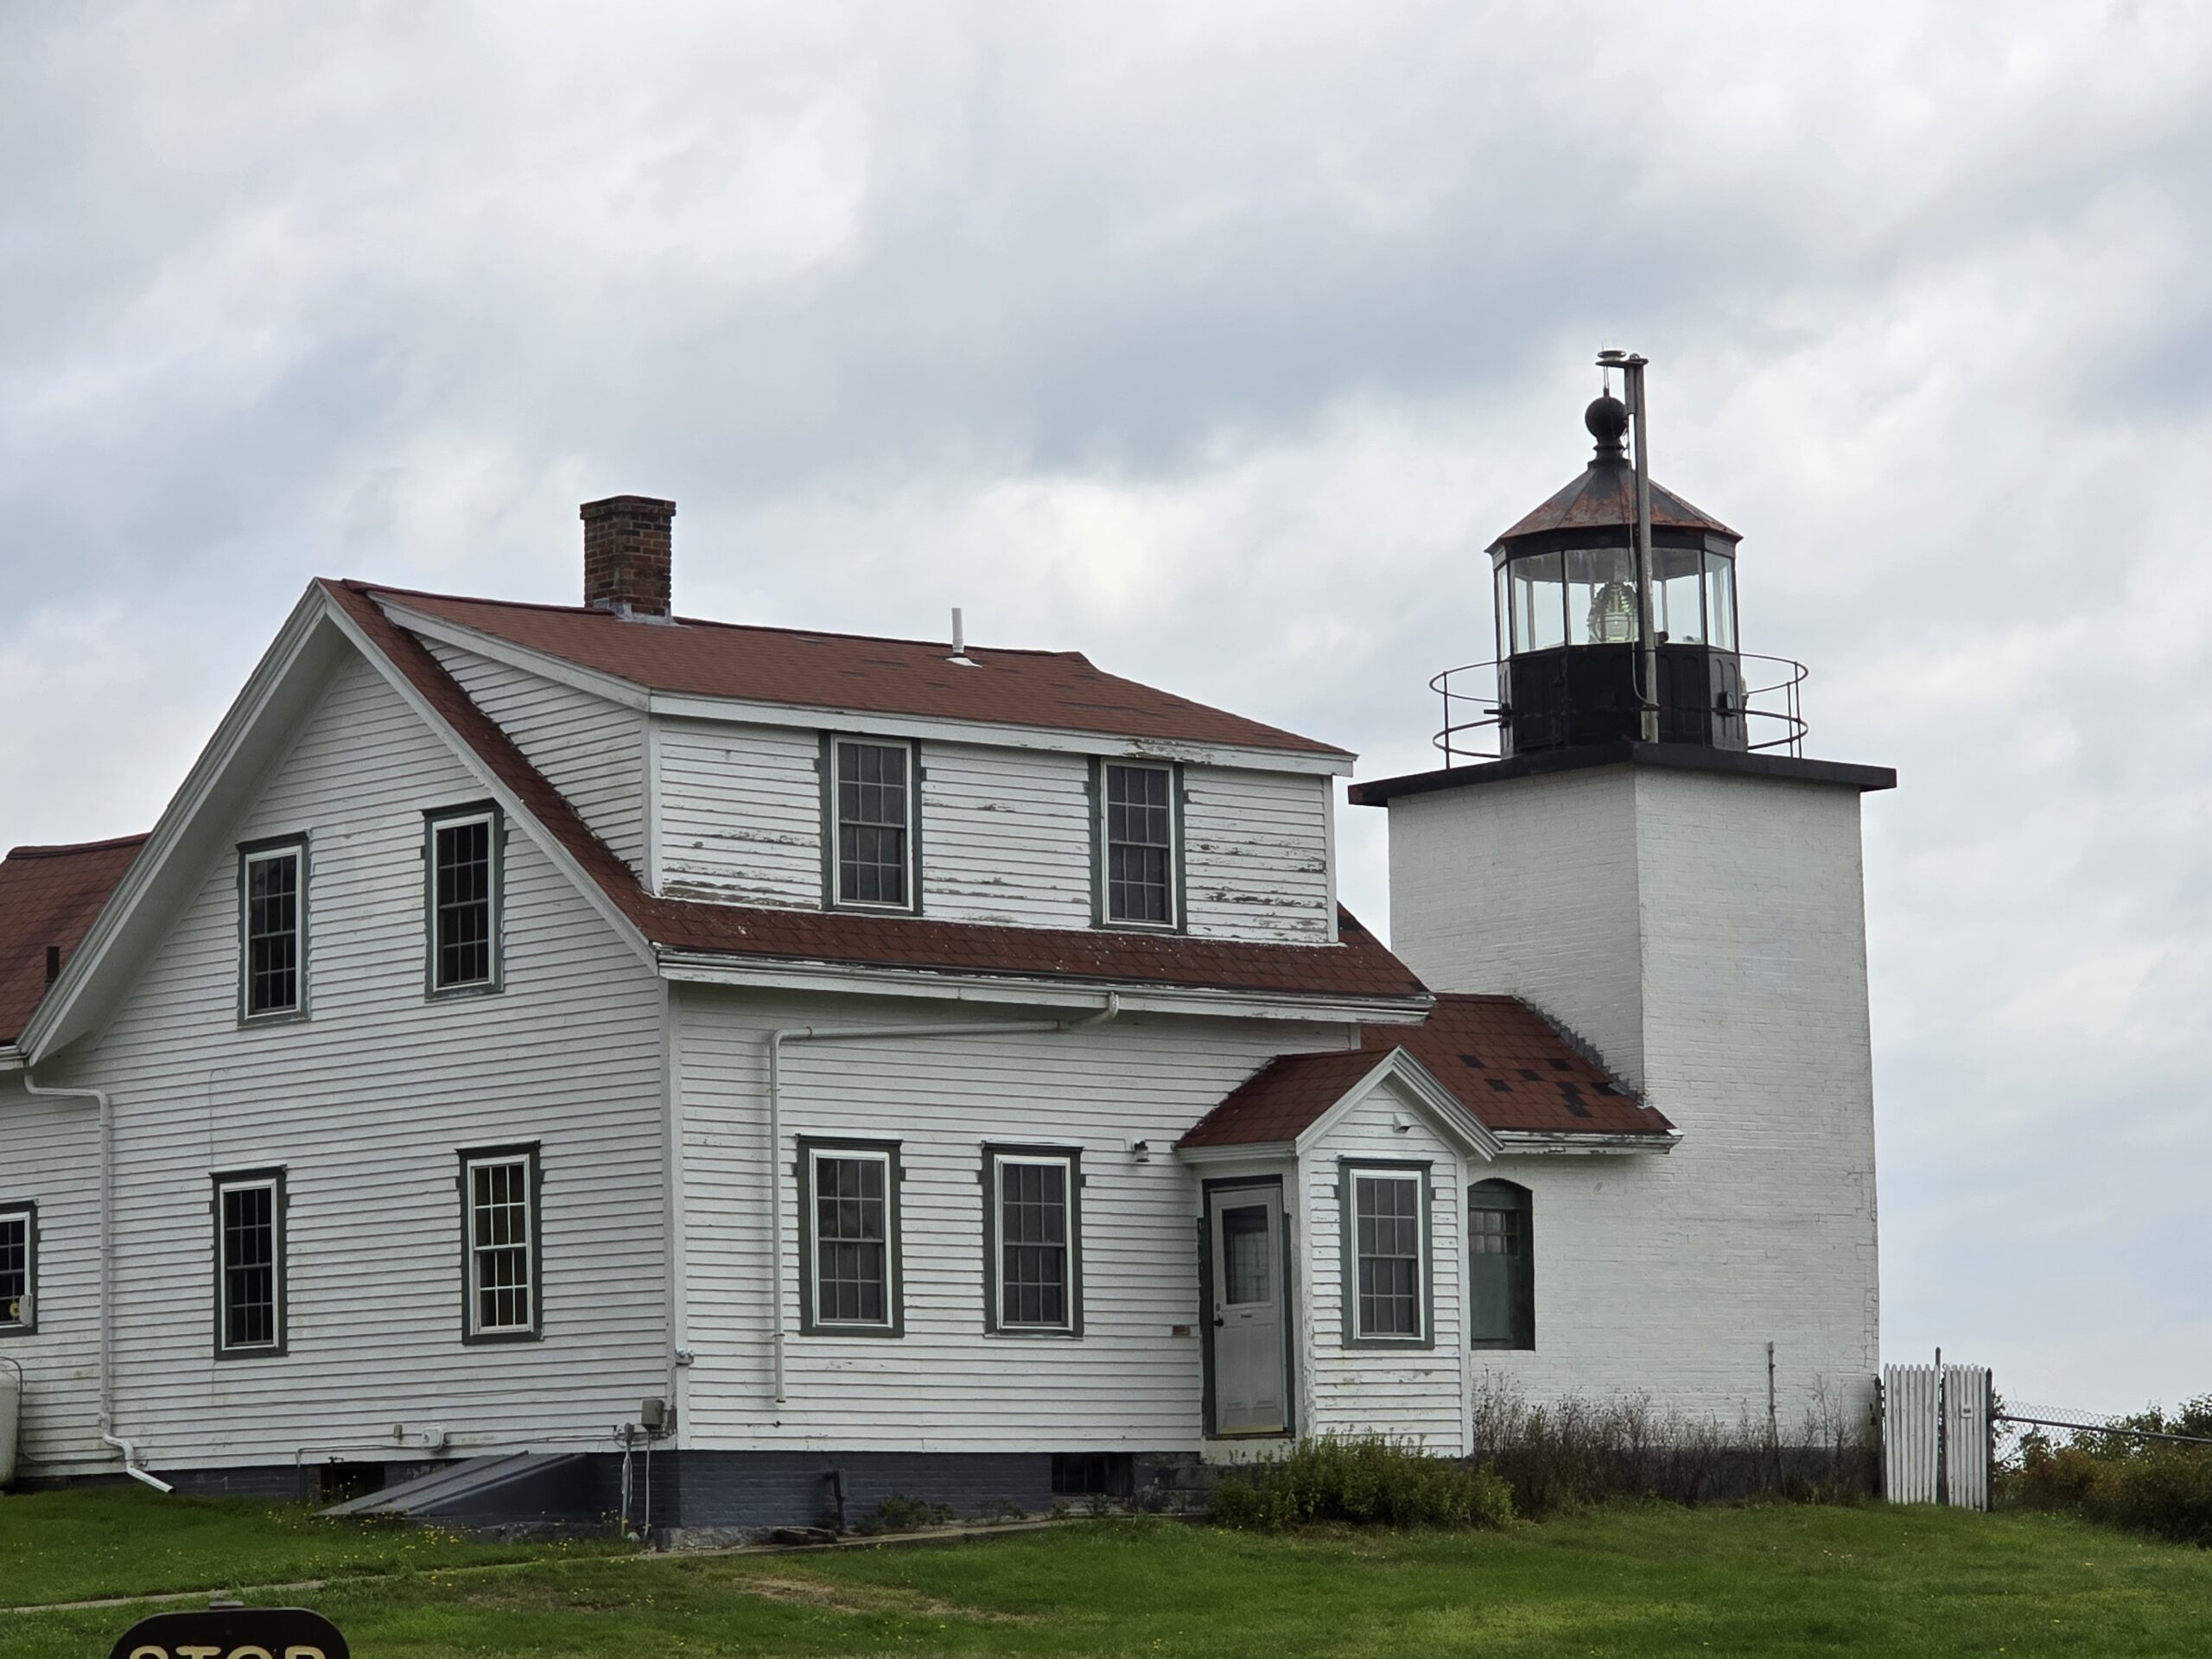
(62, 849)
(379, 590)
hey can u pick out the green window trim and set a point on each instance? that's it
(19, 1315)
(832, 897)
(1350, 1171)
(473, 1332)
(809, 1321)
(997, 1155)
(1501, 1266)
(1178, 896)
(266, 850)
(242, 1181)
(435, 820)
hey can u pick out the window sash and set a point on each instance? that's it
(18, 1269)
(1036, 1240)
(464, 858)
(502, 1237)
(853, 1263)
(872, 804)
(250, 1265)
(1387, 1223)
(273, 902)
(1137, 843)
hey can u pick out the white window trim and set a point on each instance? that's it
(911, 905)
(532, 1253)
(295, 849)
(890, 1323)
(1071, 1280)
(24, 1321)
(1106, 917)
(1423, 1254)
(495, 846)
(274, 1185)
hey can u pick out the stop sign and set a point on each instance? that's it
(233, 1633)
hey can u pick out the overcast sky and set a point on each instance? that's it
(1217, 340)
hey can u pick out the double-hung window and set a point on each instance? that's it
(1032, 1241)
(18, 1267)
(1136, 841)
(849, 1214)
(250, 1264)
(1501, 1267)
(273, 929)
(500, 1235)
(461, 852)
(1387, 1279)
(871, 809)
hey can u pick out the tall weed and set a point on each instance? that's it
(1364, 1482)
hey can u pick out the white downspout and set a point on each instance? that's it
(106, 1212)
(777, 1039)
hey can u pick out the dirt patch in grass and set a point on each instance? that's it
(863, 1599)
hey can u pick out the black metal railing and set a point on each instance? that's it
(1475, 713)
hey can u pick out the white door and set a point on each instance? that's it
(1248, 1392)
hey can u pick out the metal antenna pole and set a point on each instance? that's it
(1647, 647)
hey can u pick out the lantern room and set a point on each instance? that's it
(1570, 672)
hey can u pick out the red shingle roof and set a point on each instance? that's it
(1506, 1063)
(49, 895)
(1056, 689)
(1357, 966)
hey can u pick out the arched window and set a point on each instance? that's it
(1501, 1267)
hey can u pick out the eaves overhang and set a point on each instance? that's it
(1520, 1143)
(1676, 757)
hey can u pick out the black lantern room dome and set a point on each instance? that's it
(1568, 612)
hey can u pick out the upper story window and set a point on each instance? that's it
(872, 823)
(273, 926)
(1032, 1241)
(250, 1264)
(499, 1229)
(1385, 1219)
(463, 853)
(1501, 1266)
(1137, 844)
(851, 1210)
(18, 1267)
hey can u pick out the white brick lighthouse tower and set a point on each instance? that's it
(1668, 877)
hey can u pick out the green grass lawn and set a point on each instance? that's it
(1622, 1581)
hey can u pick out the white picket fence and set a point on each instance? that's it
(1936, 1439)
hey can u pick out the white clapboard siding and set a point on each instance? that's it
(1256, 854)
(1410, 1393)
(366, 1105)
(738, 818)
(1129, 1381)
(591, 750)
(1006, 836)
(48, 1157)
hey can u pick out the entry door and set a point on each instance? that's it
(1249, 1391)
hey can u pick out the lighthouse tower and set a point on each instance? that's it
(1692, 908)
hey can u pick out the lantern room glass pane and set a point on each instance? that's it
(1677, 602)
(1538, 623)
(1600, 596)
(1721, 600)
(1504, 613)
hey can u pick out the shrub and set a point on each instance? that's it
(2123, 1480)
(899, 1512)
(1367, 1482)
(1000, 1508)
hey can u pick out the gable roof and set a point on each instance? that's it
(48, 896)
(1500, 1058)
(1051, 690)
(1356, 966)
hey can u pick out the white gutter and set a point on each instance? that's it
(777, 1039)
(108, 1437)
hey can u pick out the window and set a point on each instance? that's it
(272, 883)
(1032, 1241)
(1501, 1267)
(1385, 1213)
(1137, 844)
(463, 858)
(849, 1259)
(18, 1268)
(498, 1187)
(248, 1264)
(871, 813)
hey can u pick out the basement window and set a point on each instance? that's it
(250, 1264)
(272, 925)
(1501, 1266)
(500, 1234)
(1386, 1233)
(1137, 844)
(18, 1268)
(849, 1214)
(1033, 1244)
(463, 855)
(871, 810)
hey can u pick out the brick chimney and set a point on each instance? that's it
(628, 545)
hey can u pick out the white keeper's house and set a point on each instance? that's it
(827, 1066)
